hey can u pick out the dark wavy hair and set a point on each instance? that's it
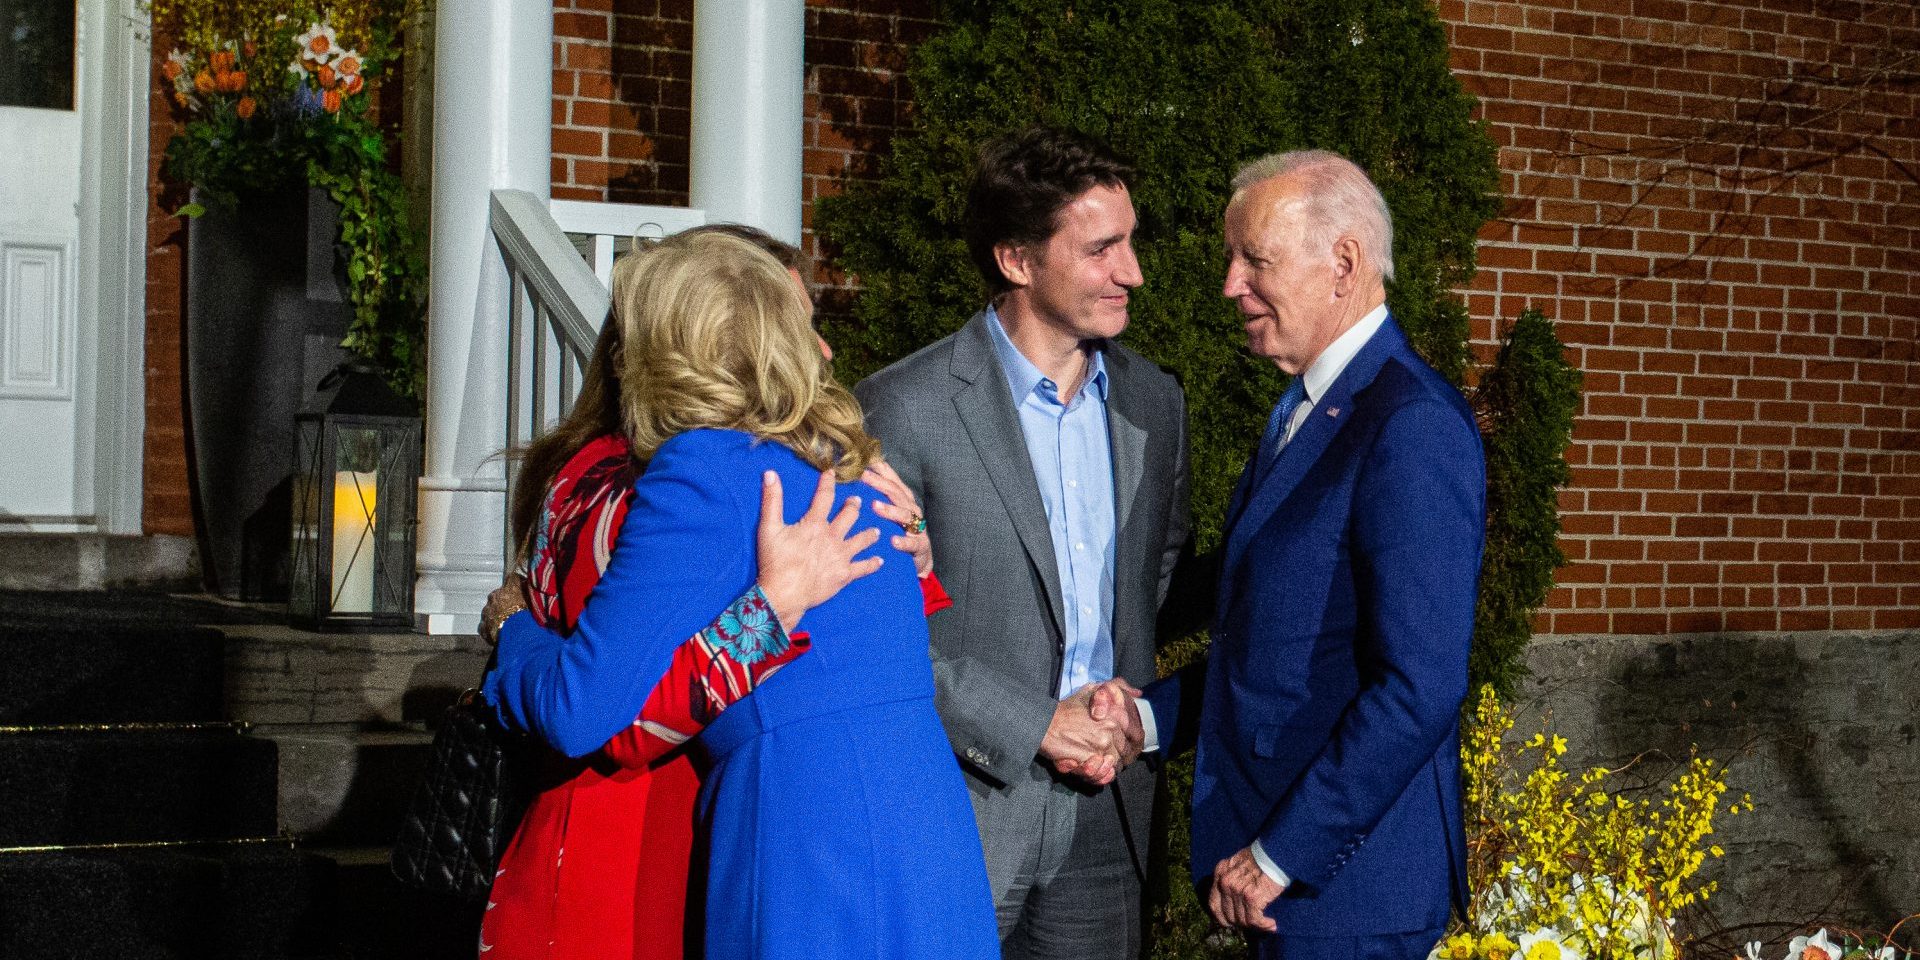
(598, 409)
(1022, 182)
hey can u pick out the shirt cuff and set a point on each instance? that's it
(1151, 729)
(1268, 867)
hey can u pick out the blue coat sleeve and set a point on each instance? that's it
(1417, 529)
(683, 553)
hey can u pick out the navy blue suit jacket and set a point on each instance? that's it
(1328, 722)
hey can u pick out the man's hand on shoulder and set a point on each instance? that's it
(1241, 892)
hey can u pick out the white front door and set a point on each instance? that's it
(46, 435)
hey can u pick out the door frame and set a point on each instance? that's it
(114, 87)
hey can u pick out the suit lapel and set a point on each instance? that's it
(1127, 428)
(985, 409)
(1329, 414)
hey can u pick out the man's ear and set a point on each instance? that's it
(1346, 265)
(1015, 262)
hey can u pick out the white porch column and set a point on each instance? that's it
(492, 115)
(749, 74)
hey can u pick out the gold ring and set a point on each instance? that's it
(917, 525)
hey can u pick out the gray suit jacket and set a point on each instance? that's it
(946, 421)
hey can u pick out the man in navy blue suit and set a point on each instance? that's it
(1326, 799)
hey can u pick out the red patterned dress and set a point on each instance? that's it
(598, 868)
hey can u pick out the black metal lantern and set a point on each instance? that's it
(356, 474)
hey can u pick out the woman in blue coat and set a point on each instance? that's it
(834, 817)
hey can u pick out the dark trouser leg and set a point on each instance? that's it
(1390, 946)
(1088, 908)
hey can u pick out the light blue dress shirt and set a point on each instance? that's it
(1073, 461)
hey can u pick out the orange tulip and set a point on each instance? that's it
(203, 82)
(354, 84)
(245, 108)
(250, 49)
(222, 61)
(327, 77)
(171, 70)
(180, 98)
(234, 82)
(330, 101)
(320, 44)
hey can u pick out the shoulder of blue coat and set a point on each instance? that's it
(701, 458)
(1406, 381)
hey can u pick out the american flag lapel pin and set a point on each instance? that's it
(1333, 412)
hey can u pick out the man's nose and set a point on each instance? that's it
(1236, 284)
(1126, 273)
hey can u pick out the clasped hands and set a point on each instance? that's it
(1095, 733)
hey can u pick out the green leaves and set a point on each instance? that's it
(1526, 402)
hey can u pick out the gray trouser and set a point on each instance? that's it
(1075, 896)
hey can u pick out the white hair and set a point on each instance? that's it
(1340, 199)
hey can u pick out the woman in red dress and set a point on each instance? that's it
(599, 865)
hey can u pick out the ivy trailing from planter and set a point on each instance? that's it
(276, 94)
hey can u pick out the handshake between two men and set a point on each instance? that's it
(1095, 733)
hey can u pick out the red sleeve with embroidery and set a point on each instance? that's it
(579, 523)
(711, 671)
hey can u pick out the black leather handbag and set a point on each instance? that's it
(478, 783)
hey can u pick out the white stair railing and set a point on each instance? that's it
(558, 301)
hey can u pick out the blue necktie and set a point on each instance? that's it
(1277, 425)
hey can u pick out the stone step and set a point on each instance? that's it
(122, 786)
(380, 918)
(254, 902)
(342, 787)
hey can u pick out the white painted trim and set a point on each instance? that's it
(113, 266)
(566, 287)
(623, 219)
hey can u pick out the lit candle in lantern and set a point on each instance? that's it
(353, 546)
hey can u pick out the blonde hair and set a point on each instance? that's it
(717, 335)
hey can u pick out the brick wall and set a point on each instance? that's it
(166, 502)
(623, 84)
(1749, 453)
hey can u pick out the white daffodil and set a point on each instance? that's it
(1546, 944)
(1799, 947)
(319, 44)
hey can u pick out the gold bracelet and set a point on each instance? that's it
(491, 631)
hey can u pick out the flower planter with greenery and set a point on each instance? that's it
(299, 246)
(272, 94)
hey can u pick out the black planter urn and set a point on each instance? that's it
(266, 310)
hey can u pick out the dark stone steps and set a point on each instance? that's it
(115, 787)
(198, 903)
(63, 671)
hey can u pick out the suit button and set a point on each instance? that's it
(975, 754)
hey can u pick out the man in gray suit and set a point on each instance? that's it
(1051, 463)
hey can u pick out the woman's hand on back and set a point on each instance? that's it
(902, 508)
(803, 564)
